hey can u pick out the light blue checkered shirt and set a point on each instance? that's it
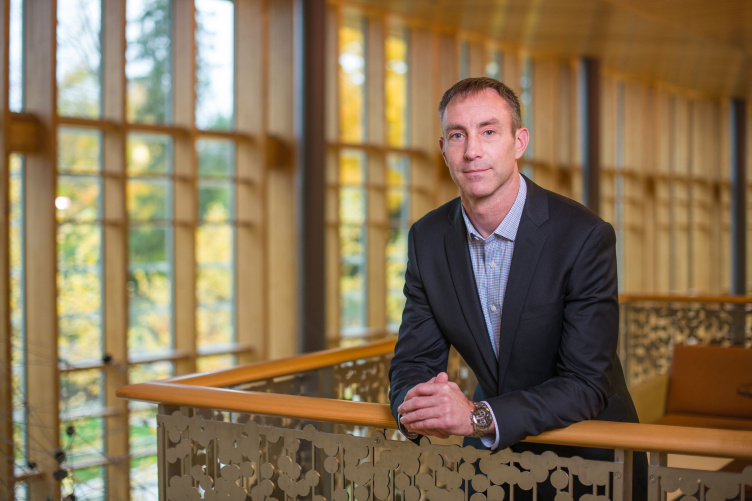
(492, 258)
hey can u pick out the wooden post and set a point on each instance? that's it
(6, 391)
(115, 237)
(40, 256)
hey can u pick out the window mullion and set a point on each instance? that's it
(40, 249)
(115, 243)
(185, 188)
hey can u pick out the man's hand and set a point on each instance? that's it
(437, 408)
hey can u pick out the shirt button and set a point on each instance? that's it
(493, 307)
(493, 265)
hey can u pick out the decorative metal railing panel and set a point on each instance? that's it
(651, 328)
(211, 459)
(364, 380)
(685, 484)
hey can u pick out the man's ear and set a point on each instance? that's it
(441, 147)
(521, 140)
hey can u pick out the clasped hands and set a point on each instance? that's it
(436, 408)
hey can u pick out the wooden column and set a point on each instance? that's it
(281, 202)
(250, 259)
(42, 375)
(591, 161)
(311, 176)
(6, 393)
(185, 189)
(738, 210)
(115, 236)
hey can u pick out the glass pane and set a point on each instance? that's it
(149, 200)
(215, 325)
(78, 198)
(79, 247)
(79, 151)
(79, 302)
(150, 289)
(84, 483)
(144, 477)
(149, 154)
(81, 393)
(17, 310)
(396, 202)
(149, 330)
(464, 59)
(148, 66)
(352, 282)
(80, 336)
(352, 79)
(397, 170)
(215, 285)
(398, 207)
(397, 125)
(83, 440)
(215, 64)
(215, 244)
(143, 373)
(526, 102)
(16, 50)
(150, 247)
(215, 362)
(352, 167)
(215, 201)
(78, 63)
(143, 434)
(395, 275)
(352, 242)
(494, 65)
(352, 205)
(216, 158)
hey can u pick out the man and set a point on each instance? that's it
(521, 281)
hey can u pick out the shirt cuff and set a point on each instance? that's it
(490, 441)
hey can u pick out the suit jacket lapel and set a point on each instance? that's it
(463, 279)
(527, 248)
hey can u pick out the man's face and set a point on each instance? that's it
(478, 145)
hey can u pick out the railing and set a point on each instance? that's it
(651, 325)
(317, 427)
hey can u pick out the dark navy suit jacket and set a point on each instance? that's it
(559, 322)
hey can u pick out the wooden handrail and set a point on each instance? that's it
(626, 298)
(601, 434)
(208, 390)
(292, 365)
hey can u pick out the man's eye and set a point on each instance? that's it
(489, 132)
(456, 135)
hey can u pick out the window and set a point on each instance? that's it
(353, 280)
(143, 218)
(373, 204)
(398, 208)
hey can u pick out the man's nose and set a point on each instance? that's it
(473, 147)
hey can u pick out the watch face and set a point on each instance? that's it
(482, 420)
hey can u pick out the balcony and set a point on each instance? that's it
(318, 427)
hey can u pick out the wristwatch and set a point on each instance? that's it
(481, 419)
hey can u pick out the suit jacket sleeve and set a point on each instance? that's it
(421, 351)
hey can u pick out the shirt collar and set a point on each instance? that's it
(508, 226)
